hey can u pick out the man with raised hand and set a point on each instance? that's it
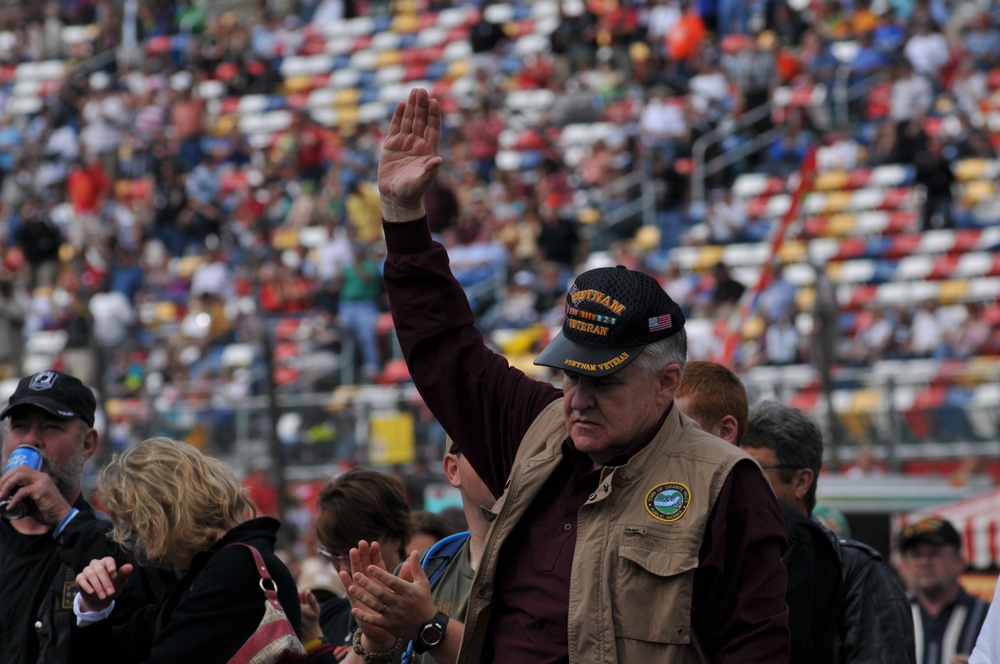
(623, 532)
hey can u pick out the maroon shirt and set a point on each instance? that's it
(486, 407)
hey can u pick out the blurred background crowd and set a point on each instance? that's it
(189, 221)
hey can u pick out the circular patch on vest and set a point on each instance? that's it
(668, 502)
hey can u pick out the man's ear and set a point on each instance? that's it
(450, 464)
(90, 442)
(669, 380)
(729, 429)
(803, 479)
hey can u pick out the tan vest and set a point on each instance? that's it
(637, 545)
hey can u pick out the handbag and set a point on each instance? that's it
(274, 641)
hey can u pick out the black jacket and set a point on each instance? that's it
(211, 612)
(815, 588)
(876, 626)
(39, 582)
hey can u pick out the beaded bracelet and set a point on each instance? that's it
(389, 656)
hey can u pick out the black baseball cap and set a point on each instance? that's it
(932, 529)
(612, 313)
(58, 393)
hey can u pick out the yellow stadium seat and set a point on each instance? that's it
(165, 312)
(285, 238)
(346, 97)
(840, 225)
(224, 125)
(977, 371)
(971, 169)
(647, 238)
(389, 58)
(187, 265)
(976, 191)
(295, 84)
(838, 201)
(805, 298)
(831, 180)
(953, 290)
(588, 216)
(857, 420)
(793, 252)
(405, 22)
(753, 328)
(834, 271)
(458, 69)
(519, 342)
(347, 117)
(708, 257)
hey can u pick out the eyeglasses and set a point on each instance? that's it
(335, 559)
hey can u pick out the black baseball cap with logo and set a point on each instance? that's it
(60, 394)
(612, 313)
(934, 530)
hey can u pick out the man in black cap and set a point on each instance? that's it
(946, 618)
(625, 533)
(60, 533)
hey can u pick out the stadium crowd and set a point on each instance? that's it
(151, 230)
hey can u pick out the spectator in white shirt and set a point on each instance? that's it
(927, 50)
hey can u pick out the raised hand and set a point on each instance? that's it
(100, 582)
(409, 161)
(309, 607)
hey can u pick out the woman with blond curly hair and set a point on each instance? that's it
(177, 508)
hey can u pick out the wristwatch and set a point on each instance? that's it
(431, 633)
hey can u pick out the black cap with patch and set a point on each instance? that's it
(58, 393)
(932, 529)
(612, 313)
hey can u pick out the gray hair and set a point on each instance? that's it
(795, 439)
(655, 356)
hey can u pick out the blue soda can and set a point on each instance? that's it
(23, 455)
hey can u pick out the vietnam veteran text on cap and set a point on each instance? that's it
(612, 313)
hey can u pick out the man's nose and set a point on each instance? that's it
(582, 396)
(32, 435)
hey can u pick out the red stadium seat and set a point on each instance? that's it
(920, 416)
(159, 44)
(944, 267)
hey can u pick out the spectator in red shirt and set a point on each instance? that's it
(87, 186)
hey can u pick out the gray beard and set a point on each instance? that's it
(66, 476)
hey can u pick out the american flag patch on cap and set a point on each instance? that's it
(659, 323)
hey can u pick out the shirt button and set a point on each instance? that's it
(38, 624)
(568, 526)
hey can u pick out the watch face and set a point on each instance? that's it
(431, 634)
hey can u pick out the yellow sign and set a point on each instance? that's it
(391, 439)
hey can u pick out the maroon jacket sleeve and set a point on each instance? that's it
(485, 405)
(739, 587)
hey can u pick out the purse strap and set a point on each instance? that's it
(267, 584)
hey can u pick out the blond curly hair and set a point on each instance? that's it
(166, 498)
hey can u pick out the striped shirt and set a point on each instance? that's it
(952, 632)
